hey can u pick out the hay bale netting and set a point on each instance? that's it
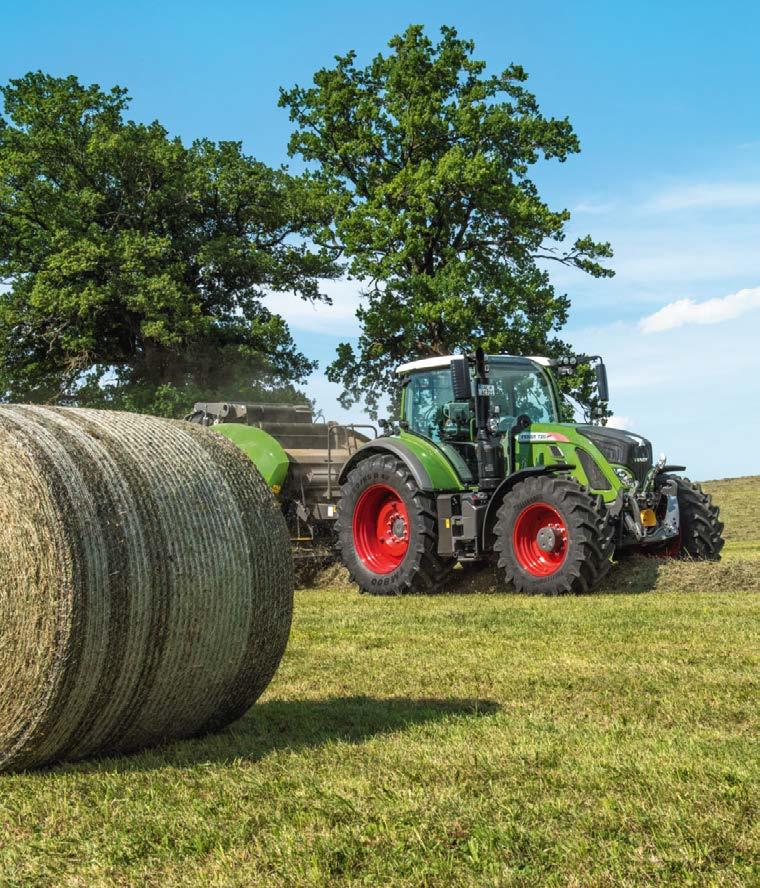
(146, 583)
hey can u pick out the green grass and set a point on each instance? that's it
(739, 500)
(465, 739)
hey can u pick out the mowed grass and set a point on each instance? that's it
(463, 739)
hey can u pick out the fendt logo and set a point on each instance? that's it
(541, 437)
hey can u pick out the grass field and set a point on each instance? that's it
(463, 739)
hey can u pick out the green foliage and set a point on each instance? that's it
(427, 158)
(136, 265)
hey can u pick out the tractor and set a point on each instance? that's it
(479, 468)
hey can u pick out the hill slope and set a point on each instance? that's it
(739, 501)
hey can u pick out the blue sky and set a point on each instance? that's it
(664, 98)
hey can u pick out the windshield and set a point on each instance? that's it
(522, 390)
(430, 409)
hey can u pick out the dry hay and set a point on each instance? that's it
(629, 576)
(146, 584)
(328, 575)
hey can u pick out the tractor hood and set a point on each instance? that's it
(621, 448)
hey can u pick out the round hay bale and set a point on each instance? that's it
(146, 583)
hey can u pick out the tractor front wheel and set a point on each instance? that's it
(701, 536)
(553, 537)
(387, 532)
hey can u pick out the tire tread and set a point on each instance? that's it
(588, 521)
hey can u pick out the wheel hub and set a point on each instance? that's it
(540, 539)
(547, 539)
(399, 528)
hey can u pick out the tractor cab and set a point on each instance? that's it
(432, 408)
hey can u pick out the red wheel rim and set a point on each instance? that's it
(539, 539)
(381, 529)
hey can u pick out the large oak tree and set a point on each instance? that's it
(428, 159)
(134, 266)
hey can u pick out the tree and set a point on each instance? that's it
(427, 159)
(135, 266)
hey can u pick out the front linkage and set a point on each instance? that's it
(670, 516)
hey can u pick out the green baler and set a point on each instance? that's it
(299, 458)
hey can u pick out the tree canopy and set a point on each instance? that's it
(134, 266)
(427, 161)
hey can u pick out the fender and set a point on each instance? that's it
(507, 484)
(397, 448)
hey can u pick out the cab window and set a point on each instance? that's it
(427, 396)
(521, 390)
(431, 411)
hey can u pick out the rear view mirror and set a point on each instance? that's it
(601, 382)
(461, 381)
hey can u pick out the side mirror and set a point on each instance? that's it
(461, 381)
(601, 382)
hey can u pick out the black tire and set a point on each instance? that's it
(701, 527)
(422, 569)
(581, 558)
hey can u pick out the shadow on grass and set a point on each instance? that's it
(290, 725)
(632, 575)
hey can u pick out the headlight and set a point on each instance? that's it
(625, 476)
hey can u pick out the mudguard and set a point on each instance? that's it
(397, 448)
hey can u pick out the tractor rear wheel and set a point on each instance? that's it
(553, 537)
(386, 530)
(701, 536)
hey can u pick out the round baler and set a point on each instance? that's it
(300, 458)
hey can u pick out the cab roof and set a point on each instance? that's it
(445, 360)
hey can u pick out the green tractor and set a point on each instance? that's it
(480, 468)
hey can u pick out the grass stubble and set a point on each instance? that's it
(472, 738)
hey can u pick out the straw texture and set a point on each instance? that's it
(146, 584)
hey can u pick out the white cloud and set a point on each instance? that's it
(326, 393)
(674, 261)
(691, 396)
(711, 311)
(653, 262)
(338, 318)
(712, 195)
(592, 208)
